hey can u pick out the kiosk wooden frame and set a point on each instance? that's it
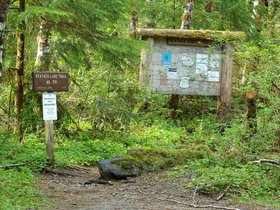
(160, 41)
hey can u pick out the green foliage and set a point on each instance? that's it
(18, 191)
(212, 177)
(154, 159)
(88, 152)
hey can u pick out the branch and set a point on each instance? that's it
(98, 181)
(12, 165)
(266, 161)
(223, 193)
(273, 83)
(187, 204)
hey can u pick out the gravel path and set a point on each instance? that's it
(149, 191)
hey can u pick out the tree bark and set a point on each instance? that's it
(224, 102)
(43, 50)
(209, 6)
(151, 19)
(251, 110)
(19, 76)
(187, 15)
(133, 24)
(3, 13)
(186, 23)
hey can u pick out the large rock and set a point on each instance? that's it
(117, 168)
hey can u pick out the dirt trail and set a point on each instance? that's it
(149, 191)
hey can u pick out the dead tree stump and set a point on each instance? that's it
(251, 110)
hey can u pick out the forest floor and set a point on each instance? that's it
(148, 191)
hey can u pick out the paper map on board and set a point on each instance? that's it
(172, 73)
(202, 59)
(215, 61)
(166, 59)
(185, 82)
(213, 76)
(201, 69)
(187, 61)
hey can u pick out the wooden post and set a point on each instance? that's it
(224, 102)
(49, 140)
(145, 73)
(251, 110)
(146, 59)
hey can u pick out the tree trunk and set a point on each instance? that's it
(174, 105)
(151, 19)
(209, 6)
(186, 23)
(251, 110)
(19, 76)
(133, 24)
(3, 12)
(187, 15)
(43, 50)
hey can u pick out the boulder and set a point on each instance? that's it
(117, 168)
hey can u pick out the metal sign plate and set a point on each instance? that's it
(50, 81)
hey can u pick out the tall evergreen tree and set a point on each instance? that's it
(20, 74)
(4, 5)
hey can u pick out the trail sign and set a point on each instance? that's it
(50, 81)
(49, 106)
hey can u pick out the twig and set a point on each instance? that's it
(223, 193)
(275, 86)
(266, 161)
(187, 204)
(98, 181)
(194, 194)
(129, 181)
(13, 165)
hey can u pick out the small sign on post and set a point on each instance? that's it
(49, 83)
(49, 106)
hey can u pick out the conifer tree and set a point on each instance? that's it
(20, 75)
(4, 5)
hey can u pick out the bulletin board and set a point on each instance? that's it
(185, 68)
(188, 62)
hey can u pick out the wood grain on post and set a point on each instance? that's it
(49, 140)
(226, 83)
(146, 59)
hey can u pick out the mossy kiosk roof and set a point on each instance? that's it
(195, 34)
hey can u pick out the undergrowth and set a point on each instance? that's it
(193, 144)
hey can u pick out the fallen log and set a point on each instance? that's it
(274, 162)
(13, 165)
